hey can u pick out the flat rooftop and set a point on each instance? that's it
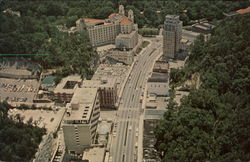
(161, 65)
(158, 77)
(103, 82)
(43, 118)
(117, 71)
(128, 36)
(154, 102)
(189, 35)
(150, 114)
(186, 41)
(81, 105)
(68, 84)
(95, 154)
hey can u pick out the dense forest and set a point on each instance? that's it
(18, 141)
(212, 123)
(35, 32)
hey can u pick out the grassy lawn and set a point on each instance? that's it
(145, 44)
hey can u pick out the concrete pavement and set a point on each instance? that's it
(124, 146)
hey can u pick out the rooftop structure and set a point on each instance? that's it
(108, 71)
(161, 66)
(107, 89)
(117, 71)
(203, 27)
(104, 82)
(158, 77)
(68, 84)
(66, 88)
(80, 107)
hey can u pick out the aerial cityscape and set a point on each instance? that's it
(124, 81)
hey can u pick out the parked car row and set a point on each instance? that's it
(17, 99)
(17, 88)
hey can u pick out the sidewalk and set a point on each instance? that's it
(141, 119)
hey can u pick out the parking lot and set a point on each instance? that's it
(149, 141)
(48, 119)
(17, 90)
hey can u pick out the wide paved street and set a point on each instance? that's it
(125, 139)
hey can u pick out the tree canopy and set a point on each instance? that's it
(18, 141)
(35, 32)
(212, 123)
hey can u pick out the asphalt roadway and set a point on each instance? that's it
(124, 146)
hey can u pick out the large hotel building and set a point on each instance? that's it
(172, 33)
(117, 29)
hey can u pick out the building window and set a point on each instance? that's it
(72, 152)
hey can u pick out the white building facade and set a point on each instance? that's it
(158, 84)
(81, 119)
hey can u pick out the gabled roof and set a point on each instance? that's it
(124, 20)
(112, 15)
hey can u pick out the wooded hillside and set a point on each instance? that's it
(212, 123)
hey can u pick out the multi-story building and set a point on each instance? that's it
(66, 88)
(116, 71)
(116, 29)
(161, 66)
(172, 33)
(81, 119)
(128, 41)
(107, 89)
(203, 27)
(126, 56)
(158, 82)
